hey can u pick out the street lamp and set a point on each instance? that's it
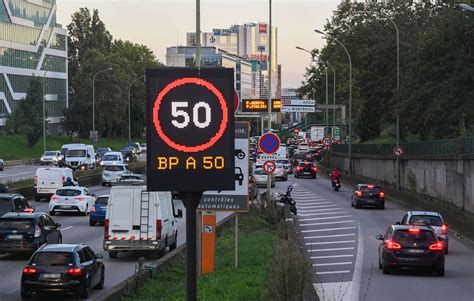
(350, 95)
(129, 107)
(93, 97)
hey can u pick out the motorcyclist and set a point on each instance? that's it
(69, 182)
(335, 175)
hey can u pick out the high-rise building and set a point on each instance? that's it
(249, 41)
(32, 44)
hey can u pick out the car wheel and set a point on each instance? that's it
(85, 211)
(52, 213)
(86, 290)
(446, 251)
(113, 254)
(175, 243)
(91, 223)
(386, 270)
(296, 176)
(380, 264)
(101, 283)
(103, 184)
(382, 207)
(314, 177)
(357, 206)
(439, 271)
(25, 295)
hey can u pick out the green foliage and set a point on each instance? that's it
(436, 95)
(92, 49)
(411, 177)
(27, 119)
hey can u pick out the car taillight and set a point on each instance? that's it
(37, 231)
(436, 247)
(54, 198)
(414, 230)
(106, 229)
(359, 193)
(382, 194)
(314, 168)
(158, 229)
(74, 272)
(36, 181)
(29, 271)
(79, 198)
(444, 229)
(299, 168)
(29, 210)
(370, 186)
(93, 209)
(391, 245)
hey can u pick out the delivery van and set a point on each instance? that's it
(140, 221)
(50, 179)
(81, 157)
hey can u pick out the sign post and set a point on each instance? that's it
(190, 137)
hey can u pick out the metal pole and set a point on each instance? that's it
(198, 218)
(327, 100)
(198, 33)
(334, 99)
(269, 66)
(44, 113)
(129, 107)
(398, 89)
(236, 240)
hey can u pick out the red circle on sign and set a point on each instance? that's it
(269, 138)
(236, 101)
(327, 141)
(195, 81)
(398, 151)
(269, 166)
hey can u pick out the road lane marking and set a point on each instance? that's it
(323, 218)
(357, 276)
(334, 272)
(320, 210)
(327, 223)
(329, 236)
(328, 229)
(332, 256)
(306, 202)
(329, 242)
(331, 263)
(331, 249)
(327, 213)
(64, 229)
(311, 204)
(315, 207)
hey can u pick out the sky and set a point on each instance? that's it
(163, 23)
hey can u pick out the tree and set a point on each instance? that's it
(27, 119)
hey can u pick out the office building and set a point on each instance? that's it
(32, 44)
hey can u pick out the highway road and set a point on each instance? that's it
(340, 242)
(76, 229)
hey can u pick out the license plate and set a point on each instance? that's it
(15, 236)
(416, 251)
(307, 173)
(50, 276)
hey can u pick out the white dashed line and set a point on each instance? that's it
(323, 218)
(333, 272)
(332, 249)
(332, 256)
(327, 223)
(327, 213)
(330, 264)
(67, 228)
(329, 236)
(328, 229)
(330, 242)
(320, 210)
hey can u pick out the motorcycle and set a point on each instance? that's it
(336, 183)
(286, 199)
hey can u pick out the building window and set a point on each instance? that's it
(263, 40)
(223, 39)
(233, 40)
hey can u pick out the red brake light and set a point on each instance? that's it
(382, 194)
(79, 198)
(314, 168)
(414, 230)
(54, 197)
(74, 272)
(29, 271)
(391, 245)
(359, 193)
(158, 229)
(444, 229)
(106, 229)
(437, 246)
(29, 210)
(370, 186)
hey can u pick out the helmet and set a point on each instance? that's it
(69, 179)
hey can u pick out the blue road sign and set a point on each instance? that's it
(269, 143)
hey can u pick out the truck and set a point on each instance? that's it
(317, 133)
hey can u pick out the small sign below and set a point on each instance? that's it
(398, 151)
(269, 167)
(327, 141)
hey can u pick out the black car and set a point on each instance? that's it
(298, 157)
(100, 152)
(63, 269)
(128, 153)
(305, 169)
(12, 202)
(368, 195)
(416, 247)
(26, 232)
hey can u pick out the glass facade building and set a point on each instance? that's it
(32, 44)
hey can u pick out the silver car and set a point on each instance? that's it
(50, 157)
(112, 173)
(431, 219)
(287, 164)
(260, 178)
(280, 172)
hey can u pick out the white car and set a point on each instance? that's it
(112, 173)
(51, 157)
(72, 199)
(260, 178)
(110, 158)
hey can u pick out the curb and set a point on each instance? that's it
(134, 282)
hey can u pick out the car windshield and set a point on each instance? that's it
(299, 156)
(302, 164)
(18, 224)
(102, 200)
(110, 158)
(409, 237)
(428, 220)
(76, 153)
(68, 192)
(52, 259)
(374, 189)
(114, 168)
(259, 172)
(49, 154)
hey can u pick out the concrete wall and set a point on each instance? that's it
(450, 180)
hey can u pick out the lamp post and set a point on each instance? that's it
(129, 107)
(93, 96)
(269, 66)
(350, 95)
(44, 112)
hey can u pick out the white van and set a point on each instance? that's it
(65, 147)
(110, 158)
(137, 220)
(81, 156)
(50, 179)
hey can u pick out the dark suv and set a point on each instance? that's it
(368, 195)
(305, 169)
(26, 232)
(12, 202)
(410, 247)
(63, 269)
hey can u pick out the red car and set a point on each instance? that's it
(305, 169)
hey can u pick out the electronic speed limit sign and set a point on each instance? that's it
(190, 129)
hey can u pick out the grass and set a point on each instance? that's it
(14, 147)
(248, 282)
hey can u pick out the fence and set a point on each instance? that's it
(448, 147)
